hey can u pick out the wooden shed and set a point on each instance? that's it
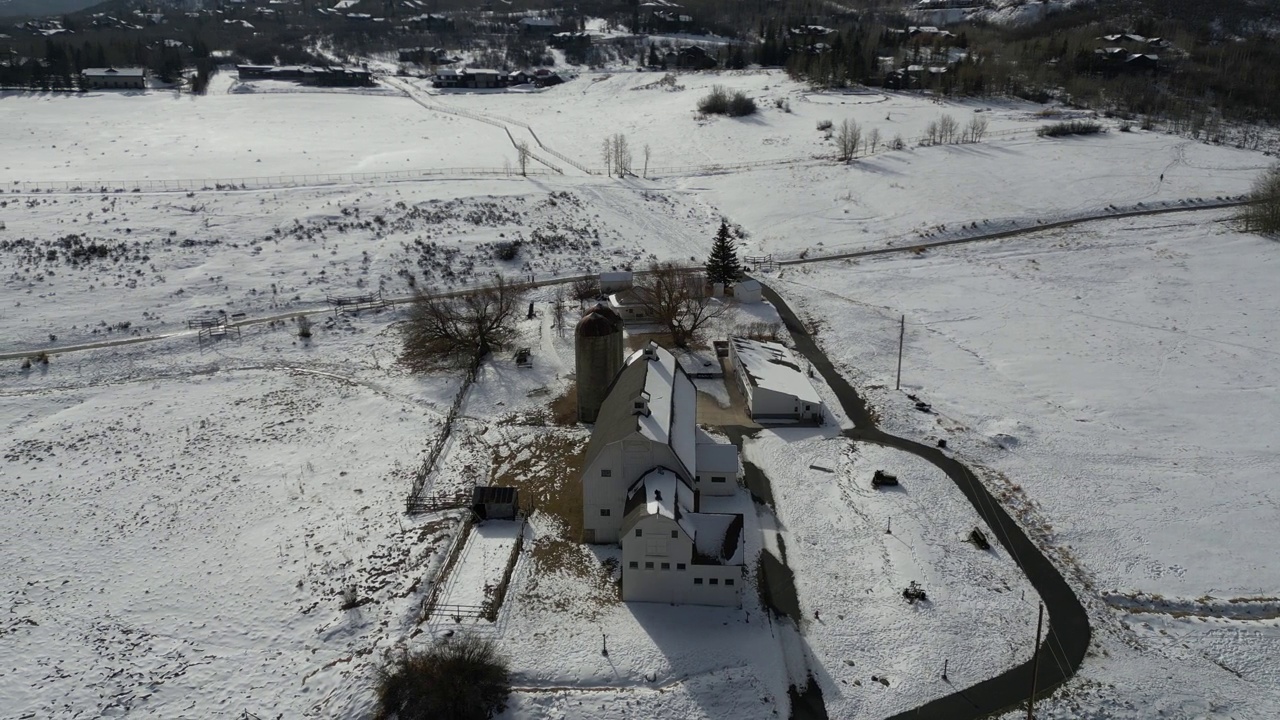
(495, 503)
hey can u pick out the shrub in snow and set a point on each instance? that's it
(461, 678)
(1070, 127)
(507, 251)
(720, 102)
(304, 327)
(1262, 214)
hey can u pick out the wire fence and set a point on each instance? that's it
(275, 182)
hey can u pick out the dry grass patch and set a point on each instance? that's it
(545, 464)
(564, 409)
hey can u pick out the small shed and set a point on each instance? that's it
(748, 291)
(495, 503)
(612, 282)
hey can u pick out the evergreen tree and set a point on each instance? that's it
(722, 264)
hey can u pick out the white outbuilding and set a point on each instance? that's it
(748, 291)
(776, 387)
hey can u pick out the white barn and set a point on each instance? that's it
(773, 383)
(646, 468)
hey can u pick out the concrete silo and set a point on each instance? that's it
(599, 354)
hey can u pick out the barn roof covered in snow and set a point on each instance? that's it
(651, 377)
(772, 366)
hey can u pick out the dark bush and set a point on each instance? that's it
(740, 105)
(507, 251)
(717, 103)
(1070, 127)
(720, 102)
(459, 678)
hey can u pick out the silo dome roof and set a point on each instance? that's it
(599, 321)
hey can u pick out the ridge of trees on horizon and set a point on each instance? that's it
(1221, 64)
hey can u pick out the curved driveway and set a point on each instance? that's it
(1067, 638)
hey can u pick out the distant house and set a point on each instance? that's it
(773, 383)
(539, 25)
(646, 469)
(475, 78)
(691, 57)
(324, 76)
(129, 78)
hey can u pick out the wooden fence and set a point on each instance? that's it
(355, 303)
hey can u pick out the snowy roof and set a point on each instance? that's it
(659, 487)
(660, 491)
(698, 362)
(115, 72)
(539, 22)
(773, 367)
(717, 537)
(652, 376)
(716, 457)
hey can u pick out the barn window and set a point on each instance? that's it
(728, 581)
(679, 566)
(697, 581)
(666, 566)
(675, 534)
(717, 479)
(634, 565)
(648, 566)
(606, 473)
(715, 581)
(639, 532)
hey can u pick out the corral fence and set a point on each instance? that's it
(437, 445)
(214, 328)
(435, 503)
(493, 604)
(275, 182)
(355, 303)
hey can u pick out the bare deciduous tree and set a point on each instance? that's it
(848, 140)
(931, 133)
(522, 156)
(559, 302)
(677, 299)
(586, 287)
(873, 140)
(606, 154)
(620, 152)
(977, 129)
(948, 129)
(648, 152)
(461, 329)
(1262, 214)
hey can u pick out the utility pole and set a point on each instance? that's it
(902, 334)
(1035, 667)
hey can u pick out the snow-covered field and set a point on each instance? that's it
(161, 135)
(854, 549)
(183, 529)
(1119, 382)
(182, 535)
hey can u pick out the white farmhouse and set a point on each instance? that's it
(646, 468)
(773, 383)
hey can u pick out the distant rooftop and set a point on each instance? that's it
(115, 72)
